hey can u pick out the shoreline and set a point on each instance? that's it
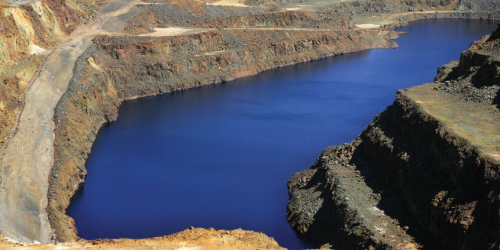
(78, 182)
(82, 183)
(430, 156)
(76, 178)
(231, 79)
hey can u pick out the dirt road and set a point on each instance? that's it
(28, 157)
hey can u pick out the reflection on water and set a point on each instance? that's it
(220, 156)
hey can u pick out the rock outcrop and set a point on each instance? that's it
(29, 30)
(42, 157)
(425, 173)
(119, 68)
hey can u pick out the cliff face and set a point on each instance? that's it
(42, 151)
(247, 40)
(119, 68)
(30, 32)
(424, 173)
(280, 20)
(381, 5)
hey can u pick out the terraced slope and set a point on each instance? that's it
(431, 161)
(66, 65)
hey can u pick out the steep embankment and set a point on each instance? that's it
(31, 31)
(119, 68)
(248, 40)
(424, 173)
(42, 159)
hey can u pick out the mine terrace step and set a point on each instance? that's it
(478, 123)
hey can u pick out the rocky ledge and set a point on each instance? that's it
(66, 65)
(114, 69)
(425, 173)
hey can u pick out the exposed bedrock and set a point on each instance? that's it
(119, 67)
(299, 19)
(199, 15)
(425, 173)
(29, 30)
(336, 14)
(375, 6)
(114, 69)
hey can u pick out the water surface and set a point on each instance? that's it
(220, 156)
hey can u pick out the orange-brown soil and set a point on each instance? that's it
(65, 66)
(189, 239)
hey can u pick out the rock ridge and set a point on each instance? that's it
(220, 42)
(430, 160)
(123, 68)
(127, 67)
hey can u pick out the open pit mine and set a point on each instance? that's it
(66, 65)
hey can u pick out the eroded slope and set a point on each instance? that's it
(119, 68)
(222, 40)
(430, 161)
(31, 31)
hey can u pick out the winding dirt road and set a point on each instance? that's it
(29, 155)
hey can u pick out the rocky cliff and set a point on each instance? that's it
(30, 31)
(423, 174)
(114, 69)
(66, 67)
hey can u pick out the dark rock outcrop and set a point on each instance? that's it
(115, 69)
(431, 161)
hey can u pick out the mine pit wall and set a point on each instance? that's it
(334, 16)
(378, 6)
(448, 187)
(185, 13)
(320, 212)
(198, 12)
(482, 60)
(29, 30)
(287, 19)
(115, 69)
(213, 16)
(441, 186)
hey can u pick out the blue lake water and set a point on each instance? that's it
(220, 156)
